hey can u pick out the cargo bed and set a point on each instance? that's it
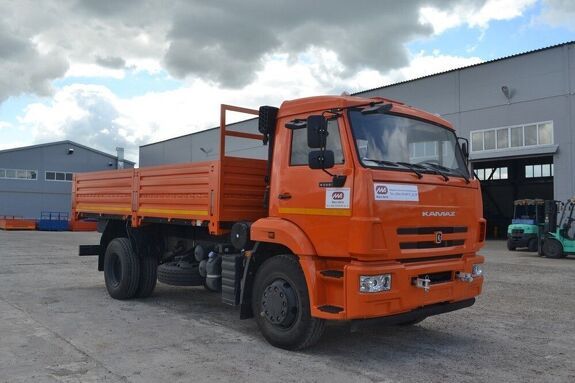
(210, 193)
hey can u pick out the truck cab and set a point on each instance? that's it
(395, 205)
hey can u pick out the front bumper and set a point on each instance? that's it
(422, 312)
(403, 296)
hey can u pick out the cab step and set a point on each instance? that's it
(330, 309)
(332, 273)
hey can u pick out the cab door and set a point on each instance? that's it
(304, 196)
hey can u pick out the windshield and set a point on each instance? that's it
(392, 141)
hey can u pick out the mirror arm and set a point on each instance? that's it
(337, 181)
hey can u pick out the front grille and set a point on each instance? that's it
(435, 278)
(427, 259)
(516, 231)
(430, 244)
(431, 230)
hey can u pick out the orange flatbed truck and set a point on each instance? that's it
(364, 211)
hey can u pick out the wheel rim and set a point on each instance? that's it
(116, 270)
(279, 304)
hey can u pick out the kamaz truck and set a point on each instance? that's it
(362, 211)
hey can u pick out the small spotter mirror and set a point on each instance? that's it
(321, 159)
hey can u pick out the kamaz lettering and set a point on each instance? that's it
(438, 214)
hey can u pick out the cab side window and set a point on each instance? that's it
(300, 150)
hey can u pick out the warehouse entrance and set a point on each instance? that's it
(503, 181)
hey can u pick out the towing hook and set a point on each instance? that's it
(464, 277)
(422, 283)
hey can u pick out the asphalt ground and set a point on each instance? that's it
(58, 324)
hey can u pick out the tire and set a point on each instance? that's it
(121, 269)
(552, 248)
(532, 246)
(148, 275)
(510, 245)
(179, 273)
(295, 329)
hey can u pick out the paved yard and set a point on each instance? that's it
(57, 324)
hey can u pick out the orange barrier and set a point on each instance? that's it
(7, 223)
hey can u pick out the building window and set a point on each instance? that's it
(59, 176)
(492, 174)
(540, 133)
(18, 174)
(538, 170)
(421, 150)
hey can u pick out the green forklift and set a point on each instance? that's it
(528, 217)
(558, 236)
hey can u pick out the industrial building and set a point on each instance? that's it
(517, 112)
(38, 178)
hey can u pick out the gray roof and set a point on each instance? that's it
(468, 66)
(63, 142)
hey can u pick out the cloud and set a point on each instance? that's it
(474, 14)
(225, 42)
(86, 114)
(559, 13)
(23, 69)
(111, 62)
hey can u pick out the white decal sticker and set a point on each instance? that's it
(395, 192)
(337, 198)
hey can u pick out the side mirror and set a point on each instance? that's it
(465, 149)
(316, 131)
(464, 143)
(321, 159)
(267, 119)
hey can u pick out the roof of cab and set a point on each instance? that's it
(322, 103)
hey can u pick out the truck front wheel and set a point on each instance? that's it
(281, 305)
(121, 269)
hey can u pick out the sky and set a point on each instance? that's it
(112, 73)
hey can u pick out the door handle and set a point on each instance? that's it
(284, 196)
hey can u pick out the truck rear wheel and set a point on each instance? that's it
(121, 269)
(148, 275)
(280, 302)
(552, 248)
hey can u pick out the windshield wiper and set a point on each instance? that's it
(381, 162)
(456, 171)
(413, 168)
(436, 169)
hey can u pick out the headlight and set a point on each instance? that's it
(477, 270)
(374, 283)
